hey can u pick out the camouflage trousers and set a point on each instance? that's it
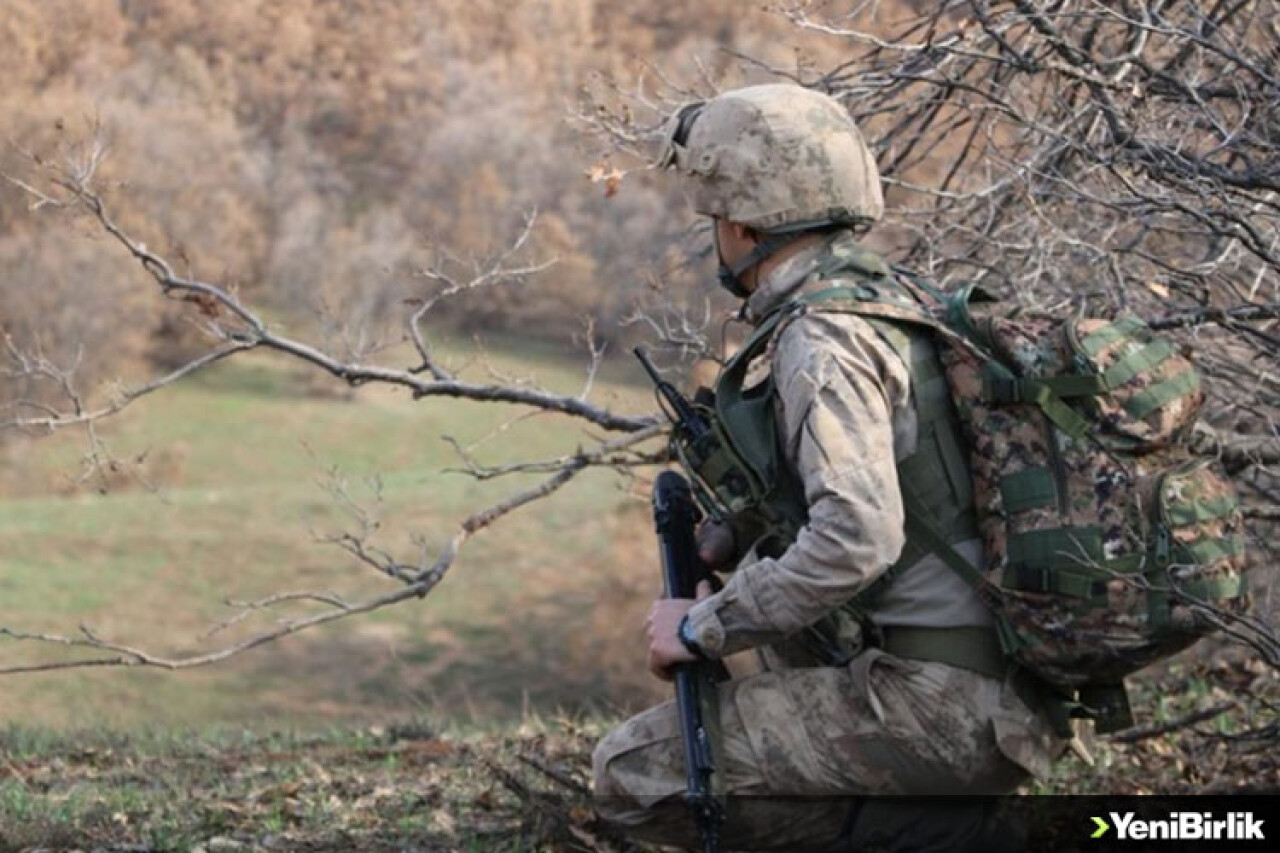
(803, 748)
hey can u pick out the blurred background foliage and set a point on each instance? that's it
(316, 153)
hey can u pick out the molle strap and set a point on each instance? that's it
(1162, 393)
(1032, 487)
(1098, 341)
(1141, 360)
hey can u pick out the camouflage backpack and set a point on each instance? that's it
(1109, 542)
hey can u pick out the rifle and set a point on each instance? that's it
(693, 442)
(674, 516)
(688, 424)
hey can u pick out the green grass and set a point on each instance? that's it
(237, 457)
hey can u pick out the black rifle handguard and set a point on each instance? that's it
(675, 515)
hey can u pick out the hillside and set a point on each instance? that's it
(414, 786)
(221, 493)
(290, 186)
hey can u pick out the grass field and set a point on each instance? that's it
(430, 726)
(227, 504)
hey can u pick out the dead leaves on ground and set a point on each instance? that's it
(347, 791)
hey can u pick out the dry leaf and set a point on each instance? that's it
(610, 176)
(443, 822)
(1158, 289)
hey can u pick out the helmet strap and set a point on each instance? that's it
(730, 276)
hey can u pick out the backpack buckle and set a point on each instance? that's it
(1032, 578)
(1005, 389)
(1163, 546)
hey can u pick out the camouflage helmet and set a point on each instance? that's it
(778, 158)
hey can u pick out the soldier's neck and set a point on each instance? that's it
(761, 271)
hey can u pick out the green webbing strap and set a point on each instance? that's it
(1091, 385)
(920, 529)
(1147, 401)
(1030, 488)
(858, 257)
(1098, 341)
(932, 399)
(955, 459)
(960, 318)
(1158, 605)
(1001, 386)
(924, 284)
(1075, 385)
(923, 471)
(1056, 546)
(1055, 579)
(1209, 551)
(1054, 560)
(1147, 358)
(973, 648)
(1198, 511)
(1063, 416)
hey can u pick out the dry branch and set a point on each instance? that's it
(244, 330)
(239, 328)
(423, 578)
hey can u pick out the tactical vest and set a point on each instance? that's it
(1109, 543)
(743, 475)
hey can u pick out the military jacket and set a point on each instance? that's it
(845, 417)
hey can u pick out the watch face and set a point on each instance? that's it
(685, 633)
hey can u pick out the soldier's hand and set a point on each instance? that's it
(665, 648)
(715, 544)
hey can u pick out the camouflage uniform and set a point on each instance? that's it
(880, 725)
(784, 160)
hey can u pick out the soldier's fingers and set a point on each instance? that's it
(658, 665)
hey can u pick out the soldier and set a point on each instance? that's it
(883, 674)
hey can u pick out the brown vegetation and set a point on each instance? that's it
(316, 154)
(323, 164)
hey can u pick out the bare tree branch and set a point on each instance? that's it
(495, 272)
(425, 576)
(245, 329)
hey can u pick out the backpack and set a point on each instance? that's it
(1110, 544)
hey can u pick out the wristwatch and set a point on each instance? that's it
(685, 633)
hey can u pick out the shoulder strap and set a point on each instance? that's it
(920, 523)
